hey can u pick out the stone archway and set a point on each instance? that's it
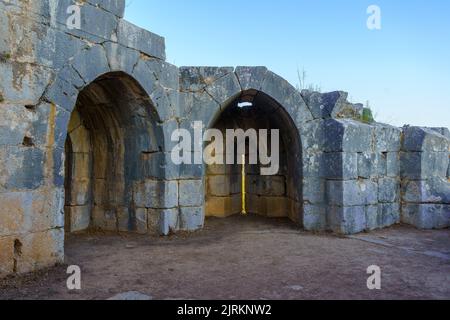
(112, 134)
(209, 91)
(273, 196)
(140, 92)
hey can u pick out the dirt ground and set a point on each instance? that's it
(248, 258)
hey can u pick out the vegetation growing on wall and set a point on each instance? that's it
(302, 83)
(367, 114)
(4, 57)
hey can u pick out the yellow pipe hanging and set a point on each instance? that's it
(244, 206)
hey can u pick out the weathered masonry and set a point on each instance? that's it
(86, 117)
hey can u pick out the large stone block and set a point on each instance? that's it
(392, 164)
(265, 185)
(314, 217)
(434, 190)
(198, 107)
(347, 136)
(15, 213)
(388, 190)
(274, 207)
(223, 186)
(191, 218)
(156, 194)
(163, 221)
(423, 165)
(191, 171)
(116, 7)
(313, 135)
(62, 42)
(160, 166)
(367, 165)
(271, 207)
(47, 208)
(166, 73)
(366, 162)
(145, 77)
(340, 165)
(427, 216)
(331, 105)
(352, 193)
(417, 139)
(121, 58)
(23, 83)
(141, 220)
(62, 93)
(222, 207)
(39, 250)
(78, 218)
(165, 102)
(314, 190)
(224, 89)
(193, 79)
(79, 193)
(313, 163)
(222, 169)
(169, 221)
(22, 168)
(125, 221)
(191, 193)
(347, 220)
(288, 97)
(104, 218)
(443, 131)
(97, 24)
(389, 214)
(251, 77)
(382, 164)
(165, 130)
(15, 124)
(388, 138)
(374, 217)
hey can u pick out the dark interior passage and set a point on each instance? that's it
(277, 195)
(112, 132)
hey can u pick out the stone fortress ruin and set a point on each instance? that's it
(86, 117)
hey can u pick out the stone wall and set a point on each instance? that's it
(63, 170)
(363, 186)
(425, 177)
(43, 67)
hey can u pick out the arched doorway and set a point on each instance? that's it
(113, 135)
(231, 189)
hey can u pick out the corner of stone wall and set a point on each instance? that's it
(361, 168)
(425, 172)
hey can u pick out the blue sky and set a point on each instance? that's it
(402, 69)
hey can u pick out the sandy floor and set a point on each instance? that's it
(248, 258)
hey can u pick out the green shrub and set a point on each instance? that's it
(367, 116)
(4, 56)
